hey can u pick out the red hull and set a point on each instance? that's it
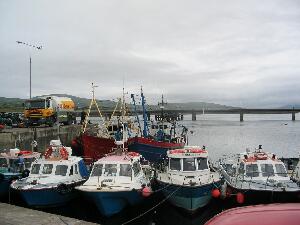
(95, 148)
(157, 144)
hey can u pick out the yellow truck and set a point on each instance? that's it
(49, 110)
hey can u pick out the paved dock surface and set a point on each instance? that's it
(15, 215)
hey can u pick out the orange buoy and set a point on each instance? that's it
(215, 193)
(146, 192)
(240, 198)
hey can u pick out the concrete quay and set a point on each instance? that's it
(23, 137)
(15, 215)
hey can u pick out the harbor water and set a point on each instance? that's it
(222, 135)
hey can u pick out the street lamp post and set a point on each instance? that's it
(36, 47)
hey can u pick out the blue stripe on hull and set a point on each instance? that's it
(151, 153)
(189, 198)
(110, 203)
(46, 197)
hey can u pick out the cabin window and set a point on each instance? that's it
(61, 170)
(136, 168)
(125, 170)
(202, 163)
(252, 170)
(242, 168)
(97, 170)
(47, 169)
(110, 170)
(175, 164)
(76, 169)
(189, 164)
(35, 168)
(280, 170)
(3, 162)
(267, 170)
(71, 171)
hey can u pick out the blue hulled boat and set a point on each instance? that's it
(116, 181)
(14, 164)
(156, 138)
(188, 180)
(52, 178)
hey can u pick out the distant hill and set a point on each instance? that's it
(296, 106)
(16, 104)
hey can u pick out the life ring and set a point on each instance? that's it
(133, 154)
(48, 153)
(64, 153)
(261, 156)
(25, 152)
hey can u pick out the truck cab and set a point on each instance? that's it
(49, 110)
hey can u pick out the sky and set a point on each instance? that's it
(239, 53)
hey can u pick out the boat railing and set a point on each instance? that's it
(267, 182)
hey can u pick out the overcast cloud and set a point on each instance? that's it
(241, 53)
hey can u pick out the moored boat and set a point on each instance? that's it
(116, 181)
(187, 180)
(257, 173)
(52, 178)
(156, 140)
(14, 164)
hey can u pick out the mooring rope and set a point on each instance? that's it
(139, 216)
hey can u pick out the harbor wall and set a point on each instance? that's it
(23, 137)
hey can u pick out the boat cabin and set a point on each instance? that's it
(188, 159)
(16, 160)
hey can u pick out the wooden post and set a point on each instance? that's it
(194, 117)
(241, 117)
(293, 116)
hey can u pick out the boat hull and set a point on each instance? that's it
(92, 148)
(262, 196)
(110, 203)
(189, 198)
(5, 182)
(152, 150)
(46, 197)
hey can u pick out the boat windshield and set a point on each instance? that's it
(175, 164)
(202, 163)
(28, 162)
(189, 164)
(110, 170)
(61, 170)
(3, 162)
(97, 170)
(267, 170)
(252, 170)
(47, 169)
(35, 168)
(280, 170)
(125, 170)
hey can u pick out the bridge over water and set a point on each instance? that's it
(180, 112)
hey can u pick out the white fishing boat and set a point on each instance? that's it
(52, 178)
(188, 181)
(116, 180)
(257, 172)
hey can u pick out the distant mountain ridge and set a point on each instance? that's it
(16, 104)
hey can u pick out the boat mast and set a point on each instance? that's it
(136, 114)
(146, 129)
(93, 102)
